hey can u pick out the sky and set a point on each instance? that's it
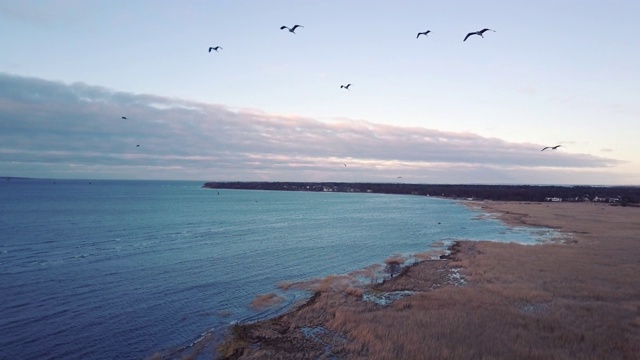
(268, 106)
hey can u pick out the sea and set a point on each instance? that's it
(106, 269)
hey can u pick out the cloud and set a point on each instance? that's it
(53, 129)
(528, 90)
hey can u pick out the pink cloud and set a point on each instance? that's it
(81, 124)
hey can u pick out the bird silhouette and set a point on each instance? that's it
(124, 117)
(344, 164)
(215, 48)
(481, 32)
(291, 30)
(345, 86)
(551, 147)
(423, 33)
(137, 145)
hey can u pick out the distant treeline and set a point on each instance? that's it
(618, 194)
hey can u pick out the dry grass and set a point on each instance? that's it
(396, 259)
(429, 255)
(579, 300)
(266, 300)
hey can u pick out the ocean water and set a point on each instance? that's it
(94, 269)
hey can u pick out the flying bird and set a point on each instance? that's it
(481, 32)
(124, 117)
(345, 86)
(137, 145)
(292, 30)
(344, 164)
(215, 48)
(551, 147)
(423, 33)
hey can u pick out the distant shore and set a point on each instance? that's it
(576, 299)
(580, 193)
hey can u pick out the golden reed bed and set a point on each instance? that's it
(575, 300)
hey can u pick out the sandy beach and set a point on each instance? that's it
(576, 298)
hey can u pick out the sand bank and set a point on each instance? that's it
(576, 299)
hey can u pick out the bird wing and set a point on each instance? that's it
(545, 148)
(210, 49)
(469, 34)
(283, 27)
(296, 26)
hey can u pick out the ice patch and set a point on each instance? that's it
(534, 308)
(385, 298)
(327, 338)
(455, 278)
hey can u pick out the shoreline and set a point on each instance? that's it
(501, 300)
(626, 194)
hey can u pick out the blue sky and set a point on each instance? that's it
(268, 106)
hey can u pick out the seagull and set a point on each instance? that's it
(477, 33)
(215, 48)
(137, 145)
(551, 147)
(423, 33)
(292, 30)
(124, 118)
(344, 164)
(345, 86)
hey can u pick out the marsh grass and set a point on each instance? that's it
(266, 300)
(579, 300)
